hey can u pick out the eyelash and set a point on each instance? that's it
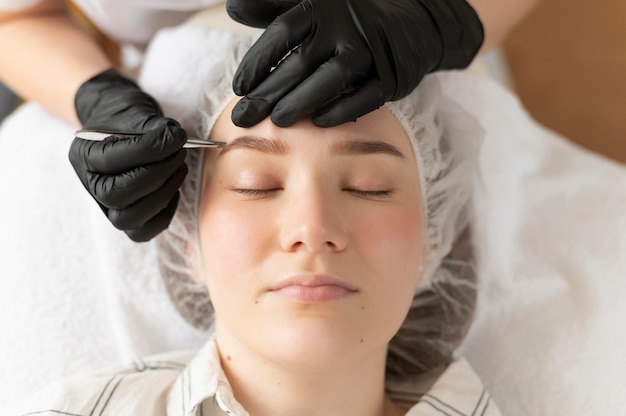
(260, 192)
(255, 192)
(369, 194)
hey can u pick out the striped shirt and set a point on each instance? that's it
(194, 384)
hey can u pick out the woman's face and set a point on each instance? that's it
(311, 238)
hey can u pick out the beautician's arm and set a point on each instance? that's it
(499, 17)
(46, 56)
(49, 59)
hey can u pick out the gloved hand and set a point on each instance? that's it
(346, 57)
(135, 180)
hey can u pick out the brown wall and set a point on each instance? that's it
(568, 64)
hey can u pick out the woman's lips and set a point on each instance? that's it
(313, 288)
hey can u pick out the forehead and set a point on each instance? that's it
(380, 125)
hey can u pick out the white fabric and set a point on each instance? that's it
(551, 228)
(550, 224)
(128, 21)
(15, 5)
(76, 294)
(136, 21)
(185, 384)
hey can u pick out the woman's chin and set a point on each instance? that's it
(308, 337)
(314, 346)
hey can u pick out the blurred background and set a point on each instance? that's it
(567, 63)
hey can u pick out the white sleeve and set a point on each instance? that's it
(136, 21)
(16, 5)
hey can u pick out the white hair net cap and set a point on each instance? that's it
(445, 140)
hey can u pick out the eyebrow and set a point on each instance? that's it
(365, 147)
(259, 144)
(346, 147)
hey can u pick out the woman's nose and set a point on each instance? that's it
(313, 221)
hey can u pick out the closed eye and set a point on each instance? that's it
(256, 192)
(369, 194)
(270, 191)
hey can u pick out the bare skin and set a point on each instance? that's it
(499, 17)
(330, 353)
(47, 56)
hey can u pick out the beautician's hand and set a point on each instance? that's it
(357, 53)
(134, 180)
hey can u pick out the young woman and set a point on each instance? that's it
(323, 261)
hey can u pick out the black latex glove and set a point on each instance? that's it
(350, 56)
(134, 180)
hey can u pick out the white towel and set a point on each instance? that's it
(76, 294)
(550, 224)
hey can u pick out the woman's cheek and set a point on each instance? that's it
(233, 237)
(396, 241)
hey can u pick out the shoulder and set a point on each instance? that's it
(453, 390)
(459, 391)
(146, 382)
